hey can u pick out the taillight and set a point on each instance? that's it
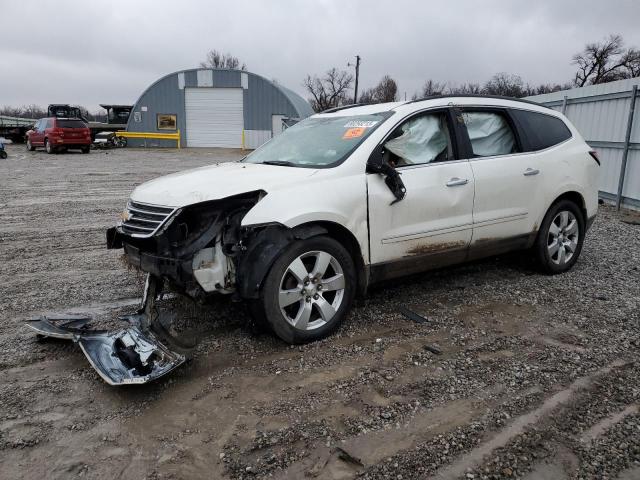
(58, 131)
(594, 155)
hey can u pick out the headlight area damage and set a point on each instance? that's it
(199, 250)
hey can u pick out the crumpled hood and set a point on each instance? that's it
(218, 181)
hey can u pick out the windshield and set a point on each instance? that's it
(317, 142)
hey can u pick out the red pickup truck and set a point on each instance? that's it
(56, 134)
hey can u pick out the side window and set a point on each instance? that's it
(490, 133)
(542, 131)
(420, 140)
(49, 123)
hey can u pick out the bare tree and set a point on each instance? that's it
(504, 84)
(631, 61)
(385, 91)
(329, 91)
(606, 61)
(465, 89)
(432, 88)
(216, 59)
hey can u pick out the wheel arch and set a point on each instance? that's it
(269, 242)
(575, 197)
(348, 240)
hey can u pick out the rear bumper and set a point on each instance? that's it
(70, 142)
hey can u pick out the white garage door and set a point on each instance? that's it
(214, 117)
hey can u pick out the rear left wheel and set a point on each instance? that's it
(48, 147)
(309, 290)
(560, 238)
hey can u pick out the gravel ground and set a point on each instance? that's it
(514, 375)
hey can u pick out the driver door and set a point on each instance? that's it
(37, 135)
(432, 225)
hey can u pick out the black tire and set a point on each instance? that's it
(551, 262)
(50, 149)
(30, 147)
(3, 154)
(267, 307)
(85, 149)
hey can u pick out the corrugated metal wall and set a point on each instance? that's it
(262, 99)
(601, 114)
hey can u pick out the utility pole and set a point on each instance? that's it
(357, 65)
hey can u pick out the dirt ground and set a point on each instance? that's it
(513, 375)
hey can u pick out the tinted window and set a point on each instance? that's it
(490, 134)
(419, 140)
(71, 124)
(542, 131)
(49, 123)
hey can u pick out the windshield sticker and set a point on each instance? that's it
(360, 124)
(353, 133)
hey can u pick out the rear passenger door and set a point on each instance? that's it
(507, 182)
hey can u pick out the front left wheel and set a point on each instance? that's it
(308, 290)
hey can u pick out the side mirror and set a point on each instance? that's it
(377, 164)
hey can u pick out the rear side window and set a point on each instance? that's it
(49, 123)
(542, 131)
(71, 124)
(490, 134)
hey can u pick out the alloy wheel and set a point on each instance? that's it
(563, 237)
(311, 290)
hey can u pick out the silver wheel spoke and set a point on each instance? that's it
(304, 314)
(298, 270)
(571, 246)
(326, 309)
(322, 262)
(572, 228)
(553, 248)
(561, 255)
(289, 297)
(564, 219)
(554, 229)
(334, 283)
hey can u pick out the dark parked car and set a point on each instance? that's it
(56, 134)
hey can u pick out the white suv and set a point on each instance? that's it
(361, 194)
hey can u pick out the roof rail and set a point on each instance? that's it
(343, 107)
(476, 95)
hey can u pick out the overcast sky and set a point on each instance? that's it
(86, 52)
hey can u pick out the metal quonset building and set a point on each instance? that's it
(215, 108)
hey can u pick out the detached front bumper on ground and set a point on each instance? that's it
(138, 353)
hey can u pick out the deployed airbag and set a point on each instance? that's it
(489, 133)
(422, 140)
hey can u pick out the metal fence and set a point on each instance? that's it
(608, 119)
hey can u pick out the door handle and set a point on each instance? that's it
(531, 171)
(455, 181)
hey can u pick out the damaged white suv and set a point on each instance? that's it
(360, 194)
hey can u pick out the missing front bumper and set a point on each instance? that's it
(132, 355)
